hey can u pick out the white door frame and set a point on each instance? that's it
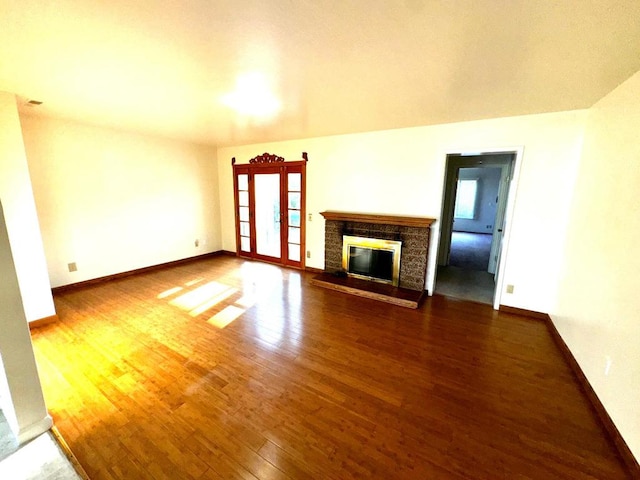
(508, 220)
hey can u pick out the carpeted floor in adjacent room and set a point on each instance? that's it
(466, 276)
(470, 250)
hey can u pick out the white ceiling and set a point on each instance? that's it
(162, 66)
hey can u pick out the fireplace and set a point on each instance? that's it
(371, 259)
(402, 238)
(397, 280)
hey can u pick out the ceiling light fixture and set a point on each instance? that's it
(253, 97)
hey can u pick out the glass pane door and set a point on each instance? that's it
(243, 212)
(294, 206)
(270, 211)
(267, 214)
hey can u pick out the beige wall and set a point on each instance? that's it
(598, 303)
(402, 172)
(20, 212)
(113, 201)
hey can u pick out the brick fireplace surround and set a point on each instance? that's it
(413, 232)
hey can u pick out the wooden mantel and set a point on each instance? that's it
(379, 219)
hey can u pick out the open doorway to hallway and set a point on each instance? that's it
(474, 205)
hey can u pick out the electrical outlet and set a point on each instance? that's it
(310, 217)
(607, 365)
(308, 253)
(509, 288)
(197, 243)
(73, 267)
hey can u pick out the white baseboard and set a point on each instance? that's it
(35, 429)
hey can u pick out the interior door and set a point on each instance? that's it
(270, 212)
(268, 215)
(448, 206)
(498, 224)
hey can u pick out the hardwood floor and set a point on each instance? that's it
(307, 383)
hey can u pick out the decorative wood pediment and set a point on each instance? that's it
(268, 159)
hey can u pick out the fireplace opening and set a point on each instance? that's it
(371, 259)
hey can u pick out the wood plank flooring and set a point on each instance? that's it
(226, 369)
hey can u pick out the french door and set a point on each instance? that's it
(270, 211)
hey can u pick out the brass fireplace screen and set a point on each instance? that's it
(371, 259)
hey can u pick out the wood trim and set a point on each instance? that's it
(376, 291)
(69, 454)
(115, 276)
(313, 270)
(41, 322)
(614, 434)
(523, 312)
(380, 219)
(607, 423)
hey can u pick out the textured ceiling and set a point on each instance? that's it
(162, 67)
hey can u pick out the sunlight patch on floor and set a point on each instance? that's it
(168, 293)
(246, 301)
(225, 316)
(212, 302)
(199, 296)
(205, 297)
(208, 295)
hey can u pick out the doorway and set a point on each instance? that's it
(270, 210)
(473, 225)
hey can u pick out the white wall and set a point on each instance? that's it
(114, 201)
(20, 389)
(20, 212)
(402, 172)
(598, 304)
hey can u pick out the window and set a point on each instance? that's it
(466, 199)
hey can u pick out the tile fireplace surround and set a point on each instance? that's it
(413, 232)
